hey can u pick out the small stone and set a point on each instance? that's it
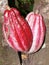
(44, 46)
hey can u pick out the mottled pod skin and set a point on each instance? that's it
(38, 28)
(17, 31)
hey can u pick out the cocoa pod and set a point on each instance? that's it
(16, 30)
(38, 28)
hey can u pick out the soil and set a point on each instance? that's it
(9, 57)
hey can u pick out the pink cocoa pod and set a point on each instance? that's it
(38, 28)
(16, 30)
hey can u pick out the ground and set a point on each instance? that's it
(9, 57)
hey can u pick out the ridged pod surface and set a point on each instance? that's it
(16, 30)
(38, 28)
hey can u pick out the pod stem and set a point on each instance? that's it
(38, 7)
(24, 56)
(7, 7)
(25, 59)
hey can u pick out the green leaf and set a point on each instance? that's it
(25, 6)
